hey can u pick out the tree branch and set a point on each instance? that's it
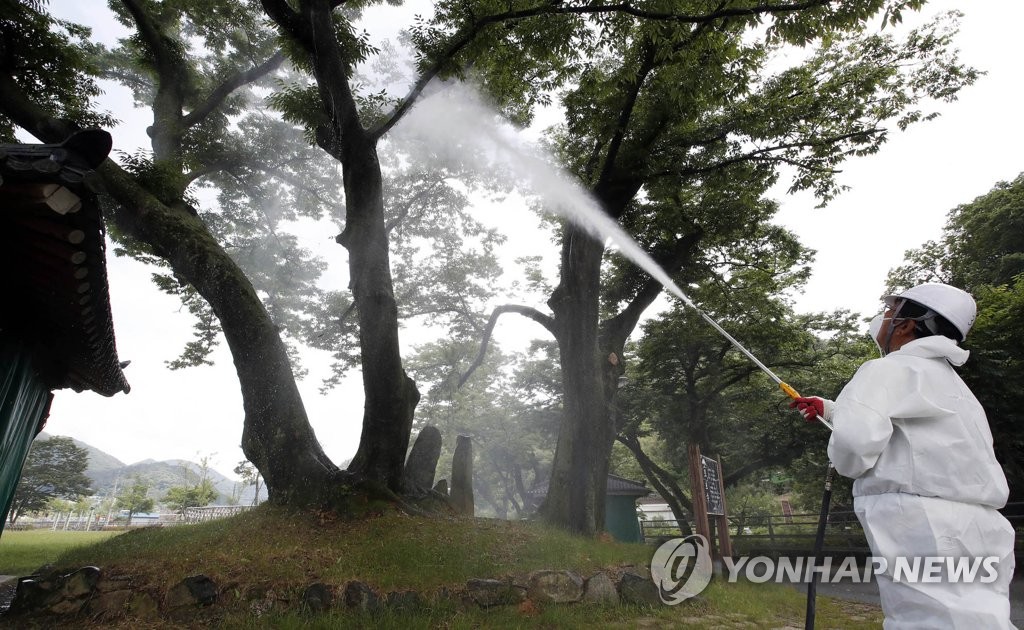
(166, 61)
(619, 327)
(232, 83)
(30, 116)
(527, 311)
(622, 123)
(406, 208)
(662, 481)
(461, 40)
(287, 18)
(761, 154)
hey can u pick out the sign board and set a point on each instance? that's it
(709, 499)
(712, 486)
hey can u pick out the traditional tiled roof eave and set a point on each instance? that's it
(620, 486)
(52, 246)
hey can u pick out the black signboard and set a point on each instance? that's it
(712, 486)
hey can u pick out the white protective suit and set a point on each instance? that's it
(918, 444)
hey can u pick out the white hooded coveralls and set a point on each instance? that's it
(918, 444)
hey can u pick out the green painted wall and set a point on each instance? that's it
(620, 518)
(23, 401)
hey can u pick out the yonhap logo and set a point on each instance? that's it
(681, 568)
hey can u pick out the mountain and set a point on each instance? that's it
(109, 475)
(98, 460)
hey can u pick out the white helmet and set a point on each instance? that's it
(954, 304)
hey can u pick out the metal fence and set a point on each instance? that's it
(794, 533)
(212, 513)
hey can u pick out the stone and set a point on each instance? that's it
(142, 606)
(195, 590)
(635, 589)
(403, 601)
(58, 594)
(600, 588)
(421, 465)
(67, 606)
(81, 582)
(462, 476)
(317, 598)
(441, 486)
(29, 595)
(555, 587)
(360, 596)
(487, 593)
(108, 583)
(109, 603)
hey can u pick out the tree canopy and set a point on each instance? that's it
(135, 498)
(53, 469)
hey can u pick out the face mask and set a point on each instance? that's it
(874, 328)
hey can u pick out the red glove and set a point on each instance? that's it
(813, 406)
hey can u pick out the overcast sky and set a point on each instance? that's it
(898, 199)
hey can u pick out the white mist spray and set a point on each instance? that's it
(456, 124)
(460, 128)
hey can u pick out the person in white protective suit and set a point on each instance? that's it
(927, 483)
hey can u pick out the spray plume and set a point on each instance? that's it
(456, 124)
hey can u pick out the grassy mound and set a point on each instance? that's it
(274, 550)
(388, 551)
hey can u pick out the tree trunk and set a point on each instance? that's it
(575, 498)
(391, 396)
(663, 483)
(276, 436)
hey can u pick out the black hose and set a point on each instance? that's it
(819, 544)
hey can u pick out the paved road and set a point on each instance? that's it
(868, 593)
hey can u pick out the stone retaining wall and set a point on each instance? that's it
(90, 592)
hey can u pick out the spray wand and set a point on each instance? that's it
(785, 387)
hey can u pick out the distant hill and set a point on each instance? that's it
(98, 460)
(108, 472)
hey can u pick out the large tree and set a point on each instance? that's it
(193, 95)
(200, 67)
(54, 468)
(678, 126)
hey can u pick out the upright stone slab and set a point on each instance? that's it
(462, 475)
(422, 462)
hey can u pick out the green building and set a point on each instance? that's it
(56, 330)
(620, 515)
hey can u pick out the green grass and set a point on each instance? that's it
(388, 551)
(273, 549)
(741, 605)
(22, 552)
